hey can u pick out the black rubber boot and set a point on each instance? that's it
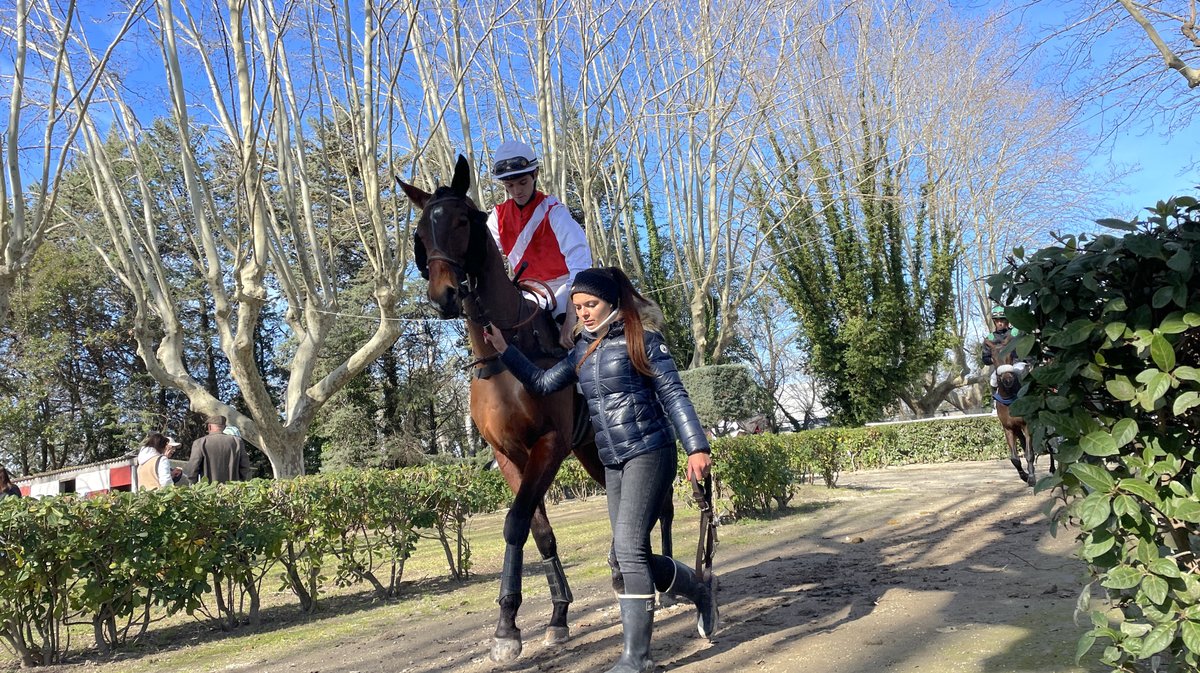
(703, 593)
(637, 620)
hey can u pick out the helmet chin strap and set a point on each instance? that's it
(603, 323)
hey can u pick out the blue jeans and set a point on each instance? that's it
(635, 495)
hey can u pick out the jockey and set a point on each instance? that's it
(998, 339)
(535, 228)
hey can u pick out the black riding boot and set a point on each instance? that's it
(637, 620)
(702, 593)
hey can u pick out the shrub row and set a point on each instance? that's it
(113, 559)
(756, 472)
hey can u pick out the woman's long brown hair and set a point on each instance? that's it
(630, 304)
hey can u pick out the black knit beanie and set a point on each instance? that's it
(597, 282)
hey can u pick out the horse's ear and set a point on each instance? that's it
(420, 257)
(462, 176)
(418, 197)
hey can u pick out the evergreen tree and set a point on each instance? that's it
(870, 282)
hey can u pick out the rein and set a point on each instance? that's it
(707, 542)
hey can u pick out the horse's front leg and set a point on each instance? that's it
(557, 632)
(1030, 457)
(1013, 456)
(536, 476)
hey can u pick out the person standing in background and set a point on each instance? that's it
(154, 464)
(217, 456)
(7, 487)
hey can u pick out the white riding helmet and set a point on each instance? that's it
(513, 158)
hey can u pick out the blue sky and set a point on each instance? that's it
(1163, 164)
(1156, 160)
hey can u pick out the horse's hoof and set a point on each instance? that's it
(556, 635)
(1032, 480)
(505, 650)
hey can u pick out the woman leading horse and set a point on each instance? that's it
(530, 435)
(635, 399)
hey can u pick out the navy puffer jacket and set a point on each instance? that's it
(632, 414)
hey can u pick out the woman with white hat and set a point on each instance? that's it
(154, 464)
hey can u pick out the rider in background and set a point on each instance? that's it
(1001, 337)
(536, 228)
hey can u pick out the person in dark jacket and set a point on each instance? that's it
(7, 487)
(637, 406)
(217, 456)
(995, 345)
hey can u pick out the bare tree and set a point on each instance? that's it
(45, 37)
(302, 114)
(1006, 172)
(1128, 59)
(1175, 53)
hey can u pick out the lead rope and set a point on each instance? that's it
(707, 542)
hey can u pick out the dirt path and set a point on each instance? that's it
(924, 568)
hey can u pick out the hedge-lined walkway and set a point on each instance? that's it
(907, 569)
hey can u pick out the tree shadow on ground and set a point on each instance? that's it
(972, 556)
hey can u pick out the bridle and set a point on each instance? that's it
(468, 279)
(434, 249)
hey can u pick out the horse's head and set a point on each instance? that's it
(1008, 383)
(450, 240)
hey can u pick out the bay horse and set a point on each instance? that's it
(1008, 389)
(530, 436)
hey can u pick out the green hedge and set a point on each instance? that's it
(206, 550)
(1113, 322)
(758, 472)
(572, 481)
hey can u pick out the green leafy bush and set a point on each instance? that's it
(724, 393)
(572, 481)
(755, 470)
(758, 470)
(107, 560)
(1114, 321)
